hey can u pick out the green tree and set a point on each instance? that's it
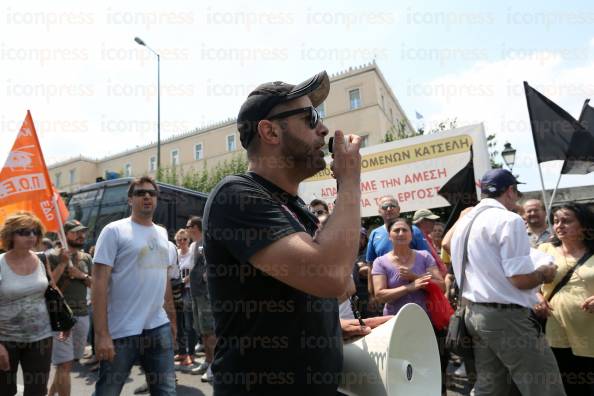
(206, 179)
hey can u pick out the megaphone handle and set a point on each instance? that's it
(354, 302)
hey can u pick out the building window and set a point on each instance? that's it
(391, 116)
(355, 98)
(127, 170)
(174, 157)
(383, 104)
(198, 154)
(57, 178)
(71, 176)
(152, 164)
(322, 110)
(231, 143)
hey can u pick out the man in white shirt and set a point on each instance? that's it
(129, 290)
(511, 352)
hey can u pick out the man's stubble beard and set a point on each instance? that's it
(300, 156)
(75, 244)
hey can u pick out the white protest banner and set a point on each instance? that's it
(412, 170)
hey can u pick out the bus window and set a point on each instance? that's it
(115, 195)
(83, 207)
(108, 214)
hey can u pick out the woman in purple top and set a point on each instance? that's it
(400, 276)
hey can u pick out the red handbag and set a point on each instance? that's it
(438, 306)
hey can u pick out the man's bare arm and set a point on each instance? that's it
(170, 309)
(103, 342)
(322, 266)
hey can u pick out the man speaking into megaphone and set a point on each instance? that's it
(273, 285)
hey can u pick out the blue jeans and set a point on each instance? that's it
(154, 349)
(187, 333)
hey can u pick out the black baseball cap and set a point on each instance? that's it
(262, 99)
(496, 180)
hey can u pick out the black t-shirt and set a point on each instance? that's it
(271, 338)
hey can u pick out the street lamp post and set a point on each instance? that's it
(509, 156)
(140, 42)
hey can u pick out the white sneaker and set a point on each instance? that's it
(207, 377)
(460, 371)
(200, 369)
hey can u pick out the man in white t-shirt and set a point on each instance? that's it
(129, 291)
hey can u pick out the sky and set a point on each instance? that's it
(92, 90)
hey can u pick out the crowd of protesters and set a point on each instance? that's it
(396, 274)
(269, 287)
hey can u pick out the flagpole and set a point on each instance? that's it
(554, 193)
(544, 198)
(48, 182)
(530, 115)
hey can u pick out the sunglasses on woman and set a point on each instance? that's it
(28, 231)
(181, 239)
(314, 116)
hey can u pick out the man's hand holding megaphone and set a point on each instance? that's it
(352, 329)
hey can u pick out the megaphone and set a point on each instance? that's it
(399, 357)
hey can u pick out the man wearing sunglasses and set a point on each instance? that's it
(130, 289)
(272, 284)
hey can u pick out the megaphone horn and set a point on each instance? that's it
(399, 357)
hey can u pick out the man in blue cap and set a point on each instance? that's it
(510, 350)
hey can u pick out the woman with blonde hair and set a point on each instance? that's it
(25, 330)
(187, 337)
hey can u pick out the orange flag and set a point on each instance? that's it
(25, 182)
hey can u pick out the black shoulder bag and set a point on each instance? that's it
(457, 339)
(61, 316)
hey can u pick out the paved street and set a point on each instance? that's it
(83, 382)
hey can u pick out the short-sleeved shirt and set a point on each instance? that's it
(379, 242)
(139, 257)
(569, 326)
(272, 339)
(74, 290)
(186, 263)
(385, 266)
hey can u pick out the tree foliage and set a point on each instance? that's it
(206, 179)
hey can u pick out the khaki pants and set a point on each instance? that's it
(512, 356)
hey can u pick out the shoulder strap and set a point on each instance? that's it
(43, 258)
(466, 237)
(569, 274)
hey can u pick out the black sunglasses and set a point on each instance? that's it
(319, 212)
(142, 193)
(28, 231)
(314, 116)
(388, 206)
(181, 239)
